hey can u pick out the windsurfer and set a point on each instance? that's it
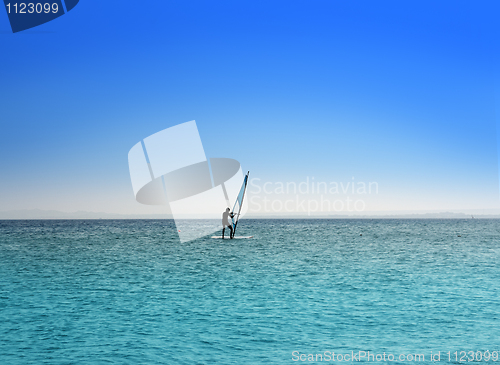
(226, 223)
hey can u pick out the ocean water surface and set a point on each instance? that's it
(128, 292)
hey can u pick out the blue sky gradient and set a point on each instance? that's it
(402, 93)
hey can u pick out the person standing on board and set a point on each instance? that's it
(226, 223)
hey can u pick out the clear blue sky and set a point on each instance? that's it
(397, 92)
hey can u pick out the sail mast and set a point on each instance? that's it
(239, 200)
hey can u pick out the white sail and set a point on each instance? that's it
(239, 203)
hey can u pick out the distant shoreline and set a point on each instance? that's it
(250, 218)
(38, 214)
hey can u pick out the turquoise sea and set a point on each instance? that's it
(128, 292)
